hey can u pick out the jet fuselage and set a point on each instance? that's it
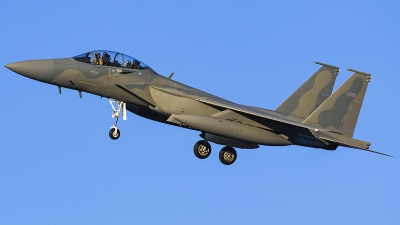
(139, 89)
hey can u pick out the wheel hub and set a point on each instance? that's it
(229, 157)
(203, 150)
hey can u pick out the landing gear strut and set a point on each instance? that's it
(114, 132)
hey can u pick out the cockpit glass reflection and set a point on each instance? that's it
(85, 57)
(110, 58)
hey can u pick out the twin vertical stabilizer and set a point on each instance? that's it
(339, 113)
(312, 93)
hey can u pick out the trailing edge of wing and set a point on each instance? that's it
(260, 113)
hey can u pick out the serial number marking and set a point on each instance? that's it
(351, 94)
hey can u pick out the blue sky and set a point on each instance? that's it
(58, 165)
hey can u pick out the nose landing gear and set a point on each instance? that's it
(114, 132)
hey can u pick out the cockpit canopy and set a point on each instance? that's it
(110, 58)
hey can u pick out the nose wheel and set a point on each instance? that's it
(121, 106)
(114, 133)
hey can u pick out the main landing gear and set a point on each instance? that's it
(202, 149)
(114, 132)
(227, 155)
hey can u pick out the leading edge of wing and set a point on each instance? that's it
(260, 113)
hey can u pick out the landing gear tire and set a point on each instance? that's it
(227, 155)
(202, 149)
(114, 133)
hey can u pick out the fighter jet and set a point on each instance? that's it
(312, 116)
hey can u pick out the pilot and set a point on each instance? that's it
(106, 58)
(97, 59)
(136, 64)
(128, 64)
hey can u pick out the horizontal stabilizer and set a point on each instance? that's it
(352, 143)
(347, 142)
(368, 150)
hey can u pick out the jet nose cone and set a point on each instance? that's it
(41, 70)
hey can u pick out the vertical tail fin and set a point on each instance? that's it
(340, 111)
(312, 93)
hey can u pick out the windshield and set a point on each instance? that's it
(110, 58)
(85, 57)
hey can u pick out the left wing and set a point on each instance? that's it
(262, 113)
(222, 104)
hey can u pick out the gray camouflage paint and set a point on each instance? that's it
(312, 93)
(156, 97)
(340, 112)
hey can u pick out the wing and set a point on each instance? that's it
(277, 119)
(261, 113)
